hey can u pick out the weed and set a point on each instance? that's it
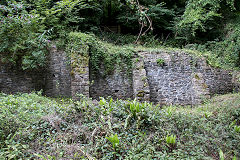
(114, 140)
(170, 110)
(237, 129)
(160, 62)
(221, 155)
(171, 139)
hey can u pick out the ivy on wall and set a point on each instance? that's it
(102, 55)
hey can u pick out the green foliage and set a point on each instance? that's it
(195, 17)
(224, 53)
(11, 123)
(137, 111)
(147, 40)
(114, 140)
(136, 13)
(101, 53)
(21, 122)
(136, 107)
(26, 27)
(170, 110)
(237, 129)
(221, 155)
(199, 16)
(106, 106)
(13, 150)
(48, 157)
(78, 43)
(160, 61)
(65, 16)
(66, 129)
(22, 38)
(171, 139)
(32, 126)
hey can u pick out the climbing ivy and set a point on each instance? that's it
(103, 55)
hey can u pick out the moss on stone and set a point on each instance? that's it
(205, 86)
(196, 76)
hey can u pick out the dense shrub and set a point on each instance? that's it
(223, 52)
(202, 16)
(23, 39)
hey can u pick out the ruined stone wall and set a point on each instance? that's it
(171, 81)
(13, 79)
(118, 85)
(66, 75)
(179, 78)
(79, 75)
(183, 79)
(218, 81)
(141, 90)
(236, 81)
(57, 74)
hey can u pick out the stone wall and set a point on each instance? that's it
(183, 79)
(57, 74)
(141, 90)
(118, 85)
(79, 75)
(160, 77)
(13, 79)
(66, 77)
(236, 81)
(218, 81)
(171, 81)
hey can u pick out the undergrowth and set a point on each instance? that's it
(224, 51)
(37, 127)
